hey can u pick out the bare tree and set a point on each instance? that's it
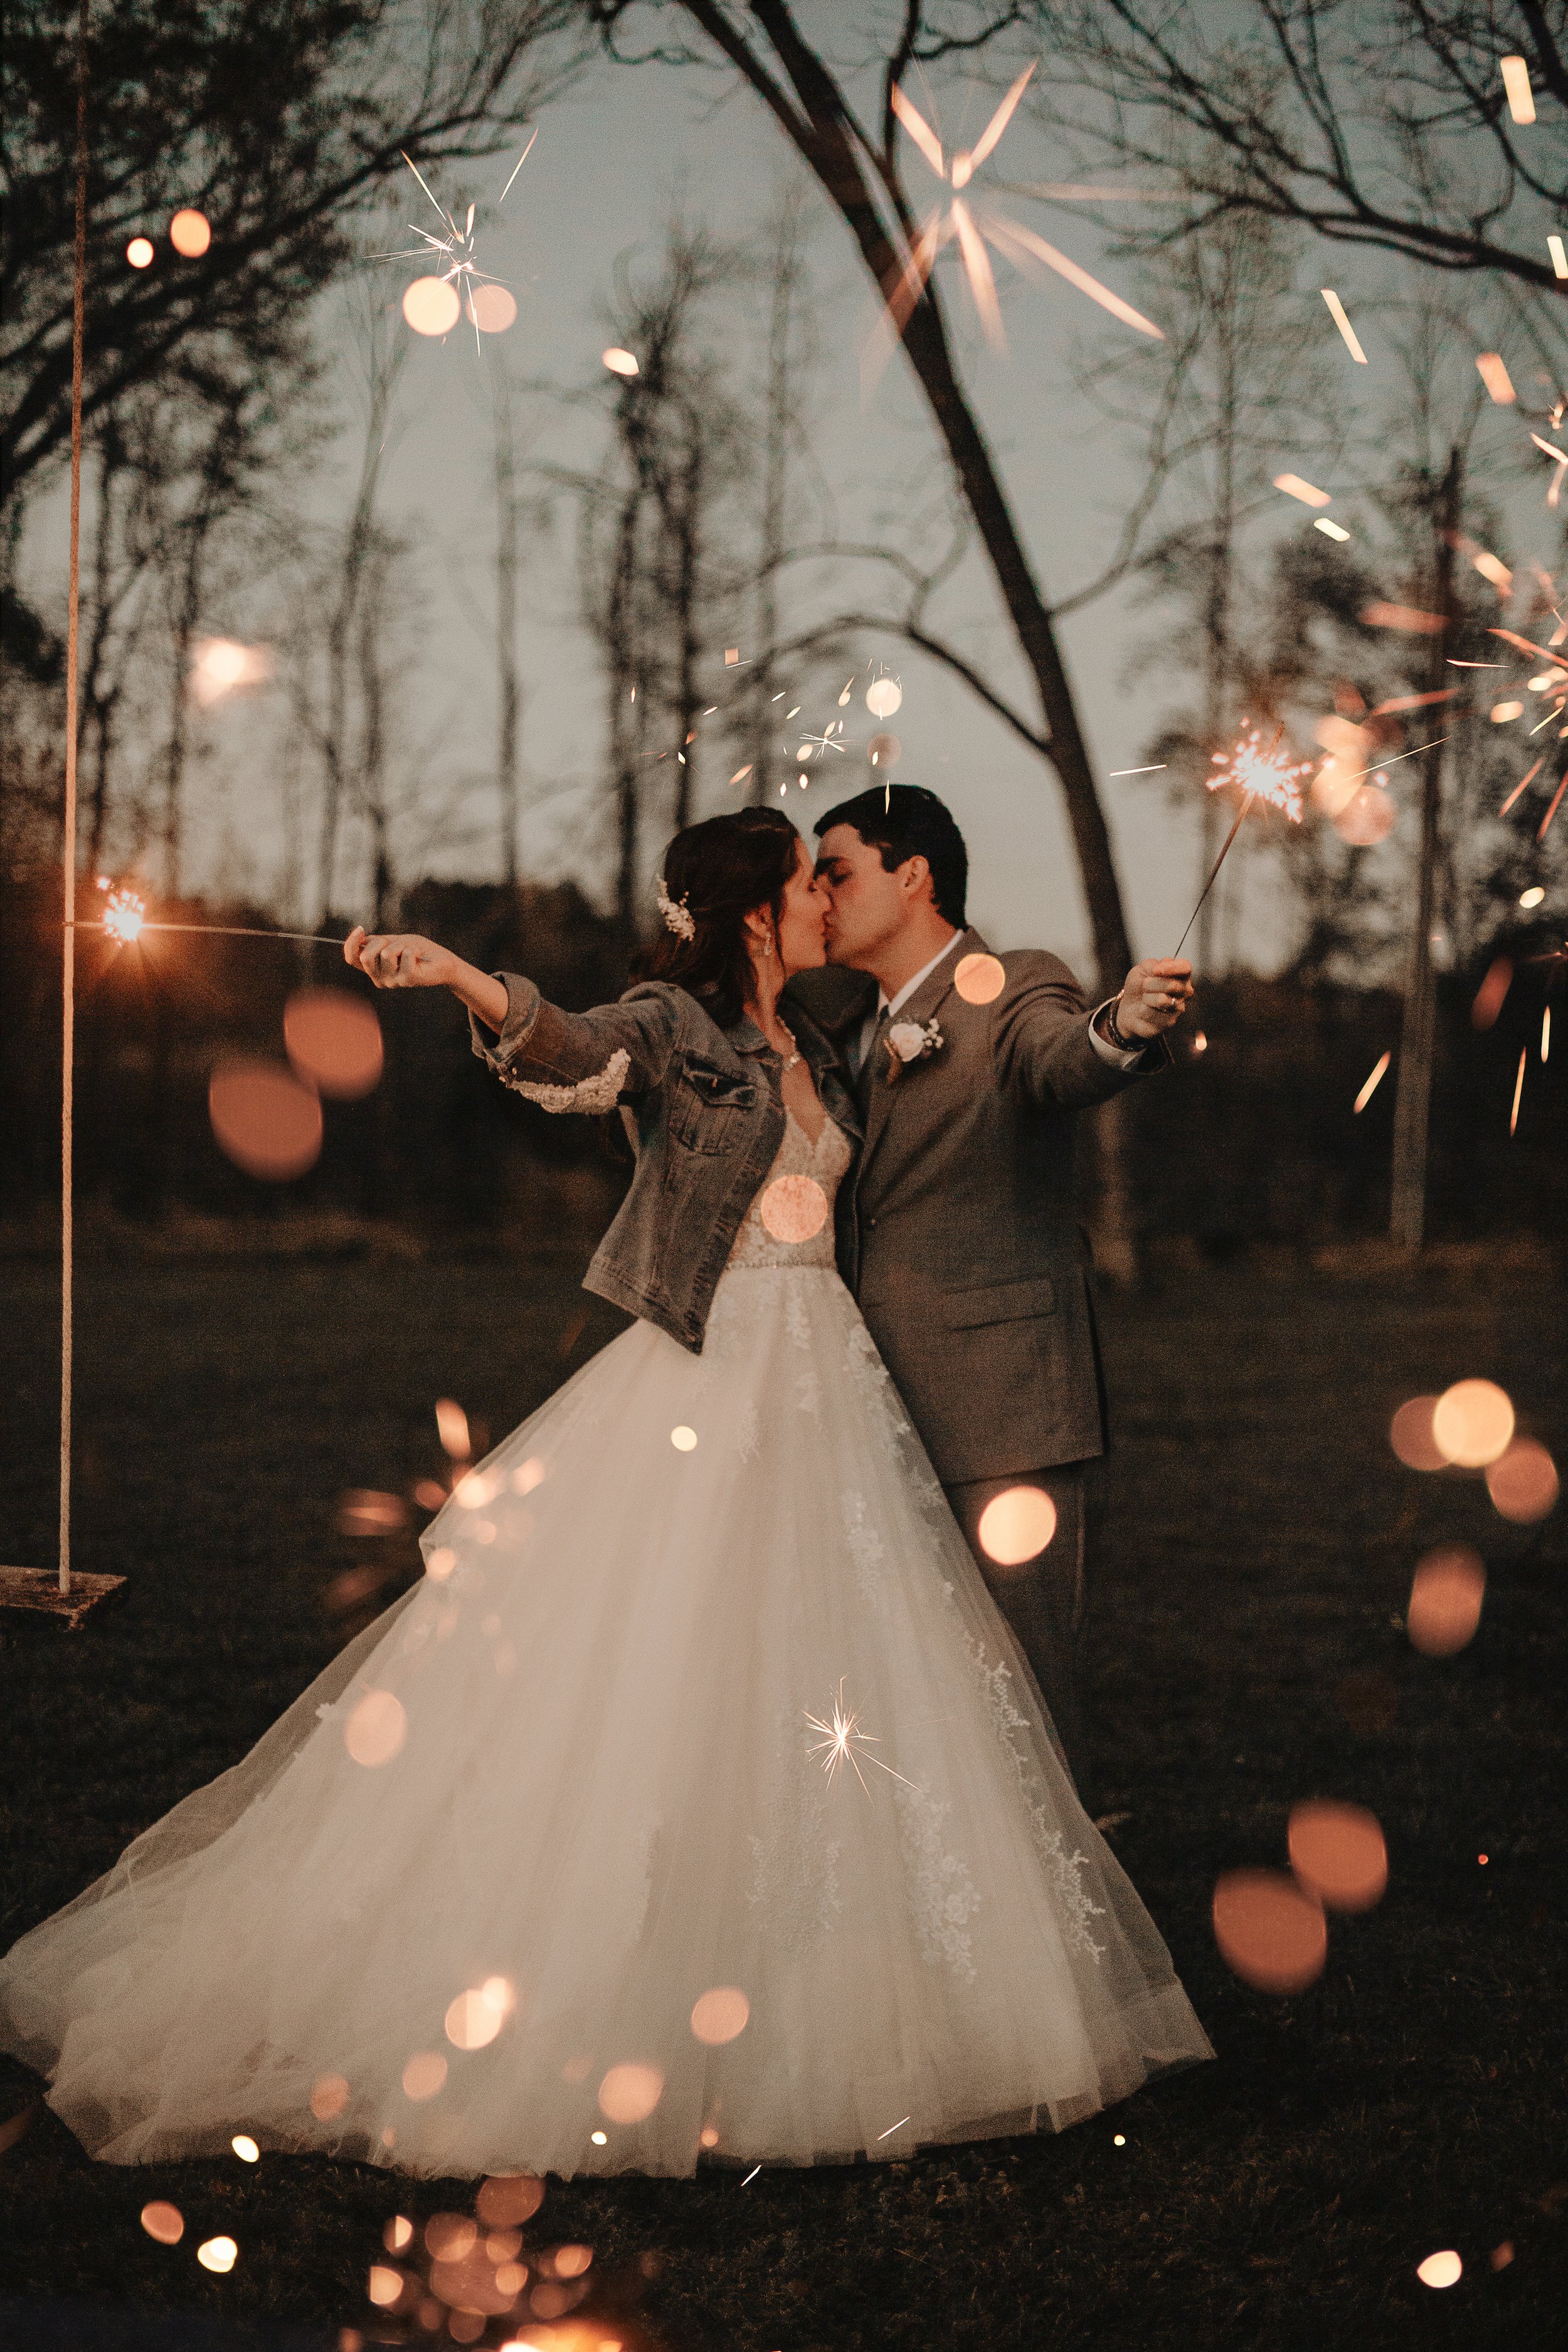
(1383, 124)
(859, 171)
(510, 515)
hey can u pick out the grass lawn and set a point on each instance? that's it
(1246, 1650)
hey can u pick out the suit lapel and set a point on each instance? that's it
(926, 1002)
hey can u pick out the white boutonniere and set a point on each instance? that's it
(907, 1042)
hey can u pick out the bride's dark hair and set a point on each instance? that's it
(721, 871)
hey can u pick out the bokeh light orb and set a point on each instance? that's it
(1333, 788)
(431, 305)
(884, 751)
(425, 2074)
(1410, 1435)
(719, 2015)
(329, 2097)
(1445, 1596)
(619, 362)
(883, 697)
(980, 979)
(190, 232)
(1339, 1854)
(452, 1429)
(492, 310)
(683, 1438)
(263, 1119)
(1016, 1526)
(1501, 712)
(1366, 818)
(508, 2200)
(449, 2236)
(377, 1730)
(139, 253)
(1472, 1423)
(793, 1208)
(383, 2285)
(1523, 1483)
(1443, 2269)
(1271, 1934)
(218, 2255)
(629, 2093)
(399, 2234)
(245, 2147)
(333, 1041)
(164, 2222)
(475, 2018)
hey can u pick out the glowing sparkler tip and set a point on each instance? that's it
(1266, 771)
(123, 913)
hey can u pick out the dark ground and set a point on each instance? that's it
(1246, 1650)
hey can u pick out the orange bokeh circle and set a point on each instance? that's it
(509, 2199)
(492, 310)
(1016, 1526)
(266, 1123)
(720, 2014)
(431, 305)
(1523, 1483)
(1410, 1435)
(1472, 1423)
(1271, 1934)
(980, 979)
(333, 1040)
(793, 1208)
(629, 2093)
(1445, 1596)
(1338, 1853)
(190, 232)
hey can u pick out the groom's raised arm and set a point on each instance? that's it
(1044, 1046)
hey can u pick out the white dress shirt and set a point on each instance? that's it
(1118, 1059)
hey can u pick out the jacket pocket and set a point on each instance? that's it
(708, 1106)
(999, 1302)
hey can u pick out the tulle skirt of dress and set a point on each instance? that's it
(573, 1765)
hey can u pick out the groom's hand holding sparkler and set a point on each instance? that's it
(405, 960)
(1155, 995)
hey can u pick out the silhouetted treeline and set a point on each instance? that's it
(1253, 1139)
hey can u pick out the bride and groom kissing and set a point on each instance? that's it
(742, 1669)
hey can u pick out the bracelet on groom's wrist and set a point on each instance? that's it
(1113, 1036)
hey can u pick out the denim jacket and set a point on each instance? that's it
(705, 1113)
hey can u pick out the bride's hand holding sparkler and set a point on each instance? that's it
(405, 960)
(1154, 996)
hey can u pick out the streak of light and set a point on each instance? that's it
(1470, 664)
(1518, 1090)
(1370, 1088)
(1379, 616)
(1334, 530)
(741, 774)
(1546, 1032)
(1520, 96)
(1419, 702)
(840, 1738)
(1337, 313)
(1405, 755)
(1554, 246)
(1294, 487)
(1156, 770)
(1496, 378)
(750, 2177)
(1556, 800)
(1525, 645)
(1008, 232)
(894, 2128)
(516, 167)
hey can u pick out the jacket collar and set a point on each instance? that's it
(919, 1008)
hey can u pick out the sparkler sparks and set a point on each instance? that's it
(1265, 774)
(971, 224)
(123, 912)
(1379, 1072)
(432, 306)
(1337, 312)
(840, 1738)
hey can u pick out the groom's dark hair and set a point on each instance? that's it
(905, 821)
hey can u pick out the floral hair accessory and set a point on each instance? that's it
(676, 914)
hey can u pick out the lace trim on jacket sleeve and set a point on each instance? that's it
(598, 1093)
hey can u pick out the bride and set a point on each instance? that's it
(698, 1798)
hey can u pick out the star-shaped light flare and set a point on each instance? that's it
(123, 912)
(971, 223)
(840, 1738)
(1262, 772)
(457, 247)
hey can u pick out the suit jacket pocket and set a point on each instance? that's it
(999, 1302)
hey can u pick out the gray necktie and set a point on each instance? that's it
(865, 1076)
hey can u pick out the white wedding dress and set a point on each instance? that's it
(598, 1800)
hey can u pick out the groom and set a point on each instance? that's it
(959, 1234)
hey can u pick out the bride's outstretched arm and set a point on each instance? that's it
(584, 1062)
(404, 959)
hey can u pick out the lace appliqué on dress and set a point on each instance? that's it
(598, 1093)
(866, 1549)
(795, 1868)
(994, 1681)
(943, 1893)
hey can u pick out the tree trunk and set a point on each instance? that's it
(1407, 1203)
(825, 140)
(510, 693)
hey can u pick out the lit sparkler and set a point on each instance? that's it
(971, 224)
(1262, 775)
(125, 922)
(467, 285)
(123, 912)
(840, 1738)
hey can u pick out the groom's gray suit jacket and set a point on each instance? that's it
(958, 1229)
